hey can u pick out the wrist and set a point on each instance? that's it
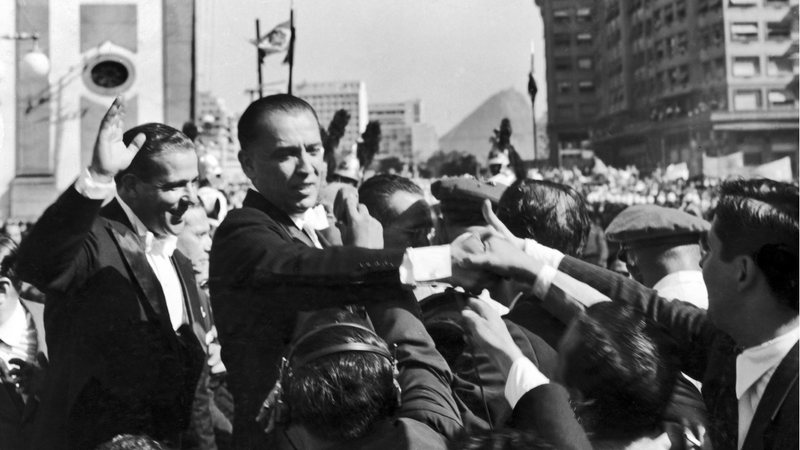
(101, 175)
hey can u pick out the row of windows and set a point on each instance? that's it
(747, 3)
(564, 16)
(749, 31)
(752, 99)
(750, 66)
(567, 87)
(565, 39)
(562, 63)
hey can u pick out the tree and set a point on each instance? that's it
(370, 144)
(331, 139)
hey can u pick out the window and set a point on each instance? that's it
(562, 39)
(779, 66)
(563, 63)
(743, 2)
(587, 109)
(564, 87)
(584, 63)
(744, 31)
(586, 86)
(778, 31)
(744, 100)
(584, 14)
(746, 66)
(561, 16)
(584, 38)
(778, 99)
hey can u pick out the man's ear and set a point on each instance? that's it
(246, 162)
(747, 271)
(5, 286)
(127, 185)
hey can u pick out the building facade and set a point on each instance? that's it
(329, 97)
(97, 49)
(404, 135)
(571, 87)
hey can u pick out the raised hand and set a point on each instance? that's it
(494, 222)
(502, 258)
(489, 332)
(358, 228)
(110, 154)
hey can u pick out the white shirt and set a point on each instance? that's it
(159, 256)
(754, 368)
(523, 376)
(18, 336)
(686, 285)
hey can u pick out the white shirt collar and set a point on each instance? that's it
(15, 328)
(316, 218)
(754, 362)
(686, 285)
(162, 246)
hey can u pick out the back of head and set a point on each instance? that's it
(553, 214)
(250, 123)
(159, 139)
(339, 396)
(376, 192)
(8, 259)
(759, 218)
(624, 367)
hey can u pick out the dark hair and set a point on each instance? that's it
(340, 396)
(130, 442)
(375, 193)
(505, 439)
(554, 214)
(626, 368)
(8, 260)
(249, 129)
(159, 139)
(759, 217)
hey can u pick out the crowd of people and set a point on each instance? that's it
(315, 314)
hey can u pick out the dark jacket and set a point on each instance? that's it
(709, 355)
(116, 365)
(264, 270)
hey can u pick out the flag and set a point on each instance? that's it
(532, 89)
(290, 54)
(276, 41)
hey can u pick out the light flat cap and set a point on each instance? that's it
(643, 225)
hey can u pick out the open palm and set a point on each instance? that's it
(110, 154)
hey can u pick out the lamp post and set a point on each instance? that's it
(35, 63)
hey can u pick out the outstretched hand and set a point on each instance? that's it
(494, 222)
(503, 258)
(489, 332)
(110, 155)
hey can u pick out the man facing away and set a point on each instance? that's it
(120, 304)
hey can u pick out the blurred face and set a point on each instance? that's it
(195, 241)
(285, 164)
(161, 201)
(412, 224)
(720, 278)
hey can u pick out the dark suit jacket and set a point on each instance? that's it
(16, 414)
(546, 411)
(263, 271)
(116, 365)
(709, 355)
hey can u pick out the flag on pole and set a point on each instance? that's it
(293, 34)
(276, 41)
(532, 89)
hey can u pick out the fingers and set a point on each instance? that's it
(351, 206)
(492, 220)
(114, 114)
(137, 143)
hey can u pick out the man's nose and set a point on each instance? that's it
(307, 163)
(206, 243)
(191, 194)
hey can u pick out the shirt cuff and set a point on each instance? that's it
(522, 377)
(93, 188)
(548, 256)
(425, 264)
(544, 279)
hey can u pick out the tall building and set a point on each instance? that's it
(97, 50)
(329, 97)
(674, 79)
(403, 133)
(571, 86)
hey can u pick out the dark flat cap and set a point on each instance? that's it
(651, 224)
(467, 189)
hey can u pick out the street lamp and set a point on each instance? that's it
(35, 63)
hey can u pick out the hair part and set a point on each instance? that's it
(249, 128)
(554, 214)
(626, 368)
(759, 218)
(159, 139)
(376, 192)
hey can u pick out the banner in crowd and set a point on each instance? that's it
(733, 165)
(778, 170)
(723, 166)
(679, 171)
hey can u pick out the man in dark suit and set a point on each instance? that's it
(268, 262)
(124, 358)
(745, 347)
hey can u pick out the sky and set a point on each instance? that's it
(451, 54)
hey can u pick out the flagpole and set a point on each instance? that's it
(532, 90)
(291, 48)
(258, 59)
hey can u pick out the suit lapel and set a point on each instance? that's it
(777, 389)
(256, 200)
(197, 313)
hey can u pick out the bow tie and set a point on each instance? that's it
(160, 246)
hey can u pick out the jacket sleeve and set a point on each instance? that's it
(686, 323)
(545, 410)
(425, 377)
(60, 249)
